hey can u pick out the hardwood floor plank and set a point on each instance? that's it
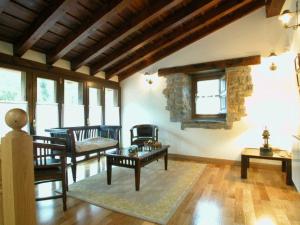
(218, 197)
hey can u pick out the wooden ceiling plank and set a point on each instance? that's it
(177, 17)
(133, 24)
(174, 36)
(191, 38)
(220, 64)
(273, 7)
(85, 29)
(3, 4)
(47, 19)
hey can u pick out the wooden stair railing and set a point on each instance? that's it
(18, 193)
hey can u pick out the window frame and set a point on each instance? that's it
(202, 77)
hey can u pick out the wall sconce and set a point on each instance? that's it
(148, 78)
(286, 16)
(273, 66)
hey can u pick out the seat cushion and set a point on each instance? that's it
(94, 143)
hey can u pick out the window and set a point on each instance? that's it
(46, 105)
(73, 104)
(12, 95)
(95, 106)
(209, 95)
(112, 116)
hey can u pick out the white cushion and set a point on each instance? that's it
(94, 143)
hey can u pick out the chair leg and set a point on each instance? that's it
(98, 156)
(73, 167)
(64, 193)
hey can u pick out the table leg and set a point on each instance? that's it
(289, 180)
(137, 175)
(283, 166)
(108, 166)
(166, 161)
(244, 166)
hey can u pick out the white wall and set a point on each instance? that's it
(275, 101)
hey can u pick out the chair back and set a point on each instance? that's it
(49, 152)
(143, 132)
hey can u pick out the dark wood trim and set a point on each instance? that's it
(47, 19)
(61, 101)
(196, 35)
(30, 99)
(273, 7)
(26, 65)
(180, 32)
(133, 25)
(220, 64)
(103, 105)
(177, 17)
(85, 29)
(216, 161)
(86, 103)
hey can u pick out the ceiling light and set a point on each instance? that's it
(286, 16)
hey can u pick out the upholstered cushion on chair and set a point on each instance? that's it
(94, 143)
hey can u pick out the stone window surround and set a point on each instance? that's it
(178, 94)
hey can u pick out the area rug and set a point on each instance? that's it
(160, 193)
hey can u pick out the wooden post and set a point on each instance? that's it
(1, 194)
(17, 172)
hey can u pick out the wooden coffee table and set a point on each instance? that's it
(278, 155)
(123, 158)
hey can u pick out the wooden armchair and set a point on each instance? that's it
(143, 132)
(49, 156)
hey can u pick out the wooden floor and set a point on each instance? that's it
(219, 197)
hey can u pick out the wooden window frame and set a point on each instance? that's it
(201, 77)
(34, 70)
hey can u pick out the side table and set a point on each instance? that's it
(278, 155)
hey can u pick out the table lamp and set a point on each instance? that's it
(266, 150)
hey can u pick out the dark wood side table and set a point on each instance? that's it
(123, 158)
(278, 155)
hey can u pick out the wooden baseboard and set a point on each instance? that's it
(220, 161)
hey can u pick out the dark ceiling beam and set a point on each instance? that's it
(130, 26)
(273, 7)
(177, 17)
(3, 3)
(87, 28)
(239, 13)
(47, 19)
(175, 35)
(220, 64)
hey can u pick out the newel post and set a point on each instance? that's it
(17, 172)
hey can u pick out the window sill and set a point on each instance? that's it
(206, 124)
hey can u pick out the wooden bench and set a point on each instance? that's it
(86, 140)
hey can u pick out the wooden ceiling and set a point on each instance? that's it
(119, 37)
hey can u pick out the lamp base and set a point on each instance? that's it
(266, 151)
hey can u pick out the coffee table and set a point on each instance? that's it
(144, 156)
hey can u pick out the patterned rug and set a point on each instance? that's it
(160, 193)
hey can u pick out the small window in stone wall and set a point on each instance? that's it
(209, 95)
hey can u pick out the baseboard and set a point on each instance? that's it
(220, 161)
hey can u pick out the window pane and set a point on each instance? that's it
(12, 95)
(46, 105)
(73, 115)
(43, 121)
(95, 108)
(95, 115)
(208, 98)
(12, 85)
(111, 107)
(94, 96)
(73, 92)
(46, 91)
(73, 108)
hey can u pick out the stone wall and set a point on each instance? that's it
(178, 94)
